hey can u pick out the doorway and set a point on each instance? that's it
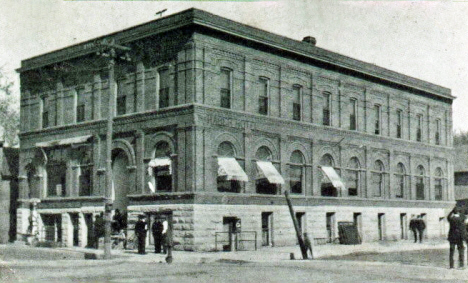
(120, 179)
(75, 223)
(267, 228)
(330, 222)
(230, 232)
(357, 219)
(404, 226)
(88, 217)
(381, 226)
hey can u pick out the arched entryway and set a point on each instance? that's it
(121, 180)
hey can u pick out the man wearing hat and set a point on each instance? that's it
(140, 231)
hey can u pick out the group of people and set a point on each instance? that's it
(417, 225)
(161, 234)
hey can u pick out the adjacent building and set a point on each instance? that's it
(8, 192)
(214, 121)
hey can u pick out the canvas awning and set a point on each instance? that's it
(229, 167)
(161, 162)
(268, 171)
(333, 177)
(74, 140)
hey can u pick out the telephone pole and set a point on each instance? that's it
(110, 50)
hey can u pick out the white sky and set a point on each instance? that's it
(423, 39)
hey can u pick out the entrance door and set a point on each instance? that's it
(330, 227)
(267, 231)
(75, 223)
(88, 217)
(404, 226)
(381, 226)
(229, 229)
(120, 180)
(357, 217)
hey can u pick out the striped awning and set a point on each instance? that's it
(268, 171)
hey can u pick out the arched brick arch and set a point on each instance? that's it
(265, 142)
(152, 140)
(227, 137)
(300, 147)
(330, 151)
(127, 148)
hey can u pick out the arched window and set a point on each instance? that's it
(353, 176)
(224, 182)
(420, 182)
(263, 186)
(378, 178)
(296, 172)
(326, 186)
(400, 181)
(162, 167)
(439, 182)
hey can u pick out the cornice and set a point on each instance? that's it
(194, 17)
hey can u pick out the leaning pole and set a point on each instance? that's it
(296, 226)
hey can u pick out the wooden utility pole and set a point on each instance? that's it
(110, 49)
(296, 226)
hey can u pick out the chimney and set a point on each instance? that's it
(310, 40)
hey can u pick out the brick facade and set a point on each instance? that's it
(183, 112)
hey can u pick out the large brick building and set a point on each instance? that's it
(214, 120)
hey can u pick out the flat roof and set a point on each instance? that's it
(196, 17)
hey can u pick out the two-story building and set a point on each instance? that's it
(214, 121)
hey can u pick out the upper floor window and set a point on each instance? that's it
(121, 102)
(296, 172)
(420, 182)
(85, 171)
(400, 180)
(163, 88)
(353, 114)
(45, 112)
(326, 185)
(419, 118)
(326, 111)
(226, 182)
(438, 188)
(80, 106)
(162, 167)
(437, 133)
(297, 103)
(377, 119)
(378, 178)
(399, 123)
(353, 176)
(263, 96)
(226, 84)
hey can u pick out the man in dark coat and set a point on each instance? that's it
(98, 229)
(456, 235)
(140, 231)
(421, 226)
(157, 229)
(117, 222)
(413, 225)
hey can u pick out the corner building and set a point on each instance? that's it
(214, 121)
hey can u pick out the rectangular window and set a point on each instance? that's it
(121, 105)
(85, 180)
(437, 133)
(399, 123)
(438, 189)
(264, 93)
(377, 117)
(56, 179)
(419, 129)
(326, 109)
(45, 112)
(297, 103)
(80, 106)
(225, 91)
(352, 114)
(163, 88)
(296, 176)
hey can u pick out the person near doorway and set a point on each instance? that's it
(308, 245)
(413, 225)
(456, 235)
(98, 229)
(421, 226)
(165, 237)
(157, 229)
(117, 220)
(140, 231)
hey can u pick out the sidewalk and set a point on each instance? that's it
(268, 254)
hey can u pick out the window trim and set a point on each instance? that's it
(230, 81)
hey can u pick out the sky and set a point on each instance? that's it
(423, 39)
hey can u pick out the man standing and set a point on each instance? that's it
(157, 229)
(421, 225)
(165, 236)
(140, 231)
(98, 229)
(413, 225)
(456, 235)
